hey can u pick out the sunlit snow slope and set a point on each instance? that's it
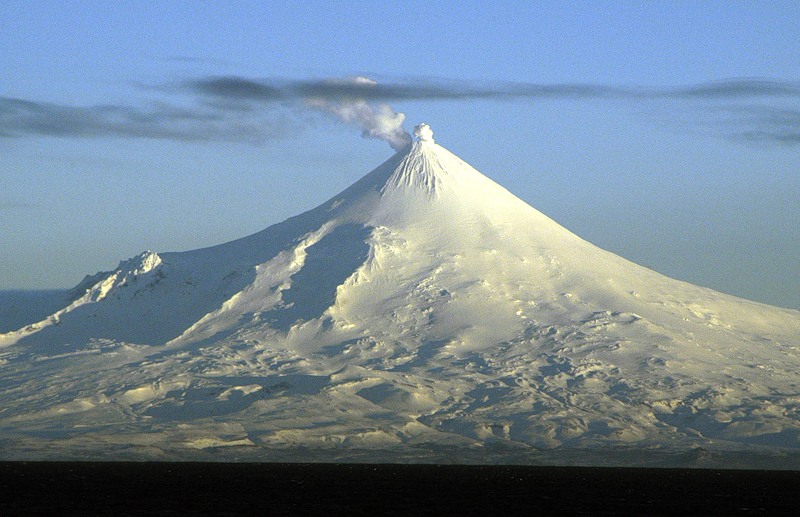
(424, 306)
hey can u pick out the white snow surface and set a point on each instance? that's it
(425, 306)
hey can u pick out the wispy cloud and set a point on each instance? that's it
(270, 90)
(236, 88)
(160, 120)
(736, 89)
(759, 124)
(344, 97)
(241, 88)
(242, 109)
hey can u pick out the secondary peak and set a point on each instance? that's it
(424, 133)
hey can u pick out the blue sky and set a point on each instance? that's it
(667, 132)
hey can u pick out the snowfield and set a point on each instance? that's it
(424, 308)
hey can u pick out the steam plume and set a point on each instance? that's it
(379, 121)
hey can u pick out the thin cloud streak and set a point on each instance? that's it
(19, 118)
(759, 124)
(740, 88)
(234, 87)
(358, 88)
(240, 109)
(764, 125)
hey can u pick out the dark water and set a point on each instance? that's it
(49, 488)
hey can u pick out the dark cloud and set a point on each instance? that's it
(240, 88)
(233, 87)
(236, 88)
(760, 124)
(740, 88)
(159, 121)
(241, 109)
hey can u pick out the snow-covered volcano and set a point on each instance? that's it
(425, 306)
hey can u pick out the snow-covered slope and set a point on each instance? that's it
(424, 306)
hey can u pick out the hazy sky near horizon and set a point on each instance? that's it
(667, 132)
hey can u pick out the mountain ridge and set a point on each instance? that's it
(424, 304)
